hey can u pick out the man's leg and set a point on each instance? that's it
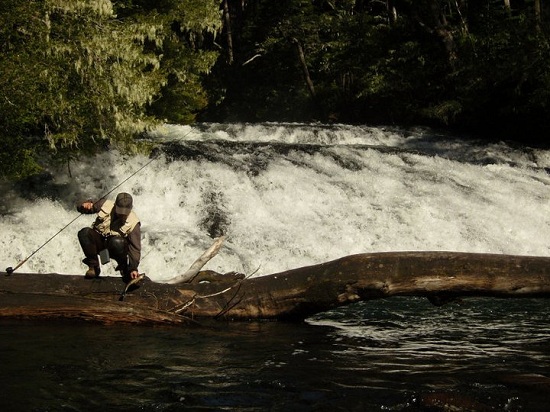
(91, 243)
(118, 250)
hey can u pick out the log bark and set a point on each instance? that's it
(293, 295)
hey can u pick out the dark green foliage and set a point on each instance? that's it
(470, 65)
(77, 77)
(20, 87)
(503, 80)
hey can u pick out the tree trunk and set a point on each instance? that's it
(538, 11)
(228, 33)
(303, 65)
(433, 20)
(392, 12)
(295, 294)
(507, 5)
(443, 32)
(461, 7)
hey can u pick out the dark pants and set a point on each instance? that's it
(92, 243)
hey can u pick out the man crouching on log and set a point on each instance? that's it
(116, 229)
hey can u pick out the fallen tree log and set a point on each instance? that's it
(294, 294)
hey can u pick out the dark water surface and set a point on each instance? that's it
(396, 354)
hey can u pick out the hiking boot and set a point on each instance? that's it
(92, 272)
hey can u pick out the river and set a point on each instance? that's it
(290, 195)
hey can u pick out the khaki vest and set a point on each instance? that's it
(106, 226)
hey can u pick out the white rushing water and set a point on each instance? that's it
(291, 195)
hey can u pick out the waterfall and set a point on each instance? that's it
(288, 195)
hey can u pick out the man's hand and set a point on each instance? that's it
(134, 274)
(88, 205)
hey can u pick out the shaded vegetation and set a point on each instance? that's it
(476, 66)
(79, 76)
(82, 76)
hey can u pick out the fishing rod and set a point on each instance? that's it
(10, 269)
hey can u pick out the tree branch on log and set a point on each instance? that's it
(195, 268)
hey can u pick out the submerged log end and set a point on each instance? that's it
(72, 307)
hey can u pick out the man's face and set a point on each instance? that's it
(122, 217)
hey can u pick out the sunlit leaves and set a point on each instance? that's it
(81, 77)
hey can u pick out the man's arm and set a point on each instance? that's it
(89, 207)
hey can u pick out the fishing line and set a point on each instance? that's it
(10, 270)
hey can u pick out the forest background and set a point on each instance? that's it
(78, 76)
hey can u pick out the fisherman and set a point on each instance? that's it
(116, 229)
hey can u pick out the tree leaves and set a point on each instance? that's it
(82, 77)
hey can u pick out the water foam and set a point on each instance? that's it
(302, 207)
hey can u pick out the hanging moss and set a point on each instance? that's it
(82, 77)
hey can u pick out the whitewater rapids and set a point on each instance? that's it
(290, 195)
